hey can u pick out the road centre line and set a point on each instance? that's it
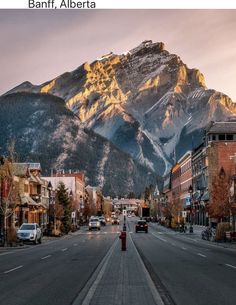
(183, 248)
(151, 285)
(104, 263)
(64, 249)
(200, 254)
(231, 266)
(46, 256)
(13, 269)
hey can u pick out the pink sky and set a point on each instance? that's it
(39, 45)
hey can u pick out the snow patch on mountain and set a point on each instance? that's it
(157, 148)
(101, 165)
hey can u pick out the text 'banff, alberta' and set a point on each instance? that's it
(61, 4)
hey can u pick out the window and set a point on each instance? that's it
(229, 137)
(221, 137)
(213, 137)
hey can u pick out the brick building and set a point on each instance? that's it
(220, 151)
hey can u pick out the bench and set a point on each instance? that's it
(230, 236)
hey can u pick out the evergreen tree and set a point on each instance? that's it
(64, 200)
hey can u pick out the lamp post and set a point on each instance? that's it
(51, 216)
(190, 190)
(81, 209)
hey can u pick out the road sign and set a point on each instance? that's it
(124, 212)
(72, 214)
(184, 214)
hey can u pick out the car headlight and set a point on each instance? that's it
(89, 224)
(31, 234)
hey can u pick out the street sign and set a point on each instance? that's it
(124, 212)
(184, 214)
(72, 214)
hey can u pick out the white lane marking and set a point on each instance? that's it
(231, 266)
(75, 245)
(130, 232)
(183, 248)
(159, 238)
(172, 244)
(13, 269)
(202, 255)
(46, 257)
(5, 253)
(64, 249)
(190, 239)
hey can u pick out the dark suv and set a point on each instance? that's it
(141, 226)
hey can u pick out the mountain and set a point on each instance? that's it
(46, 131)
(146, 101)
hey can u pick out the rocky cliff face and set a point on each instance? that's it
(45, 131)
(146, 101)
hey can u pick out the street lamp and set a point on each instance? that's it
(51, 217)
(190, 190)
(81, 209)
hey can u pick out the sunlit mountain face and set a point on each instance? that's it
(45, 130)
(147, 102)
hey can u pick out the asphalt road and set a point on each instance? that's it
(53, 272)
(185, 269)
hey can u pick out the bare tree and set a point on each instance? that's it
(9, 195)
(220, 196)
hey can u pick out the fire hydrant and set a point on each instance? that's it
(123, 240)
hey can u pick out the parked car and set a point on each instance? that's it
(141, 226)
(102, 220)
(115, 220)
(30, 232)
(94, 223)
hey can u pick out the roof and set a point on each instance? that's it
(222, 127)
(23, 169)
(20, 169)
(28, 200)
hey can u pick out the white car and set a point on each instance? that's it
(94, 223)
(30, 232)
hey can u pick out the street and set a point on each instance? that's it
(54, 272)
(188, 269)
(89, 268)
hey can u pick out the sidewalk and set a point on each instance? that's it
(122, 280)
